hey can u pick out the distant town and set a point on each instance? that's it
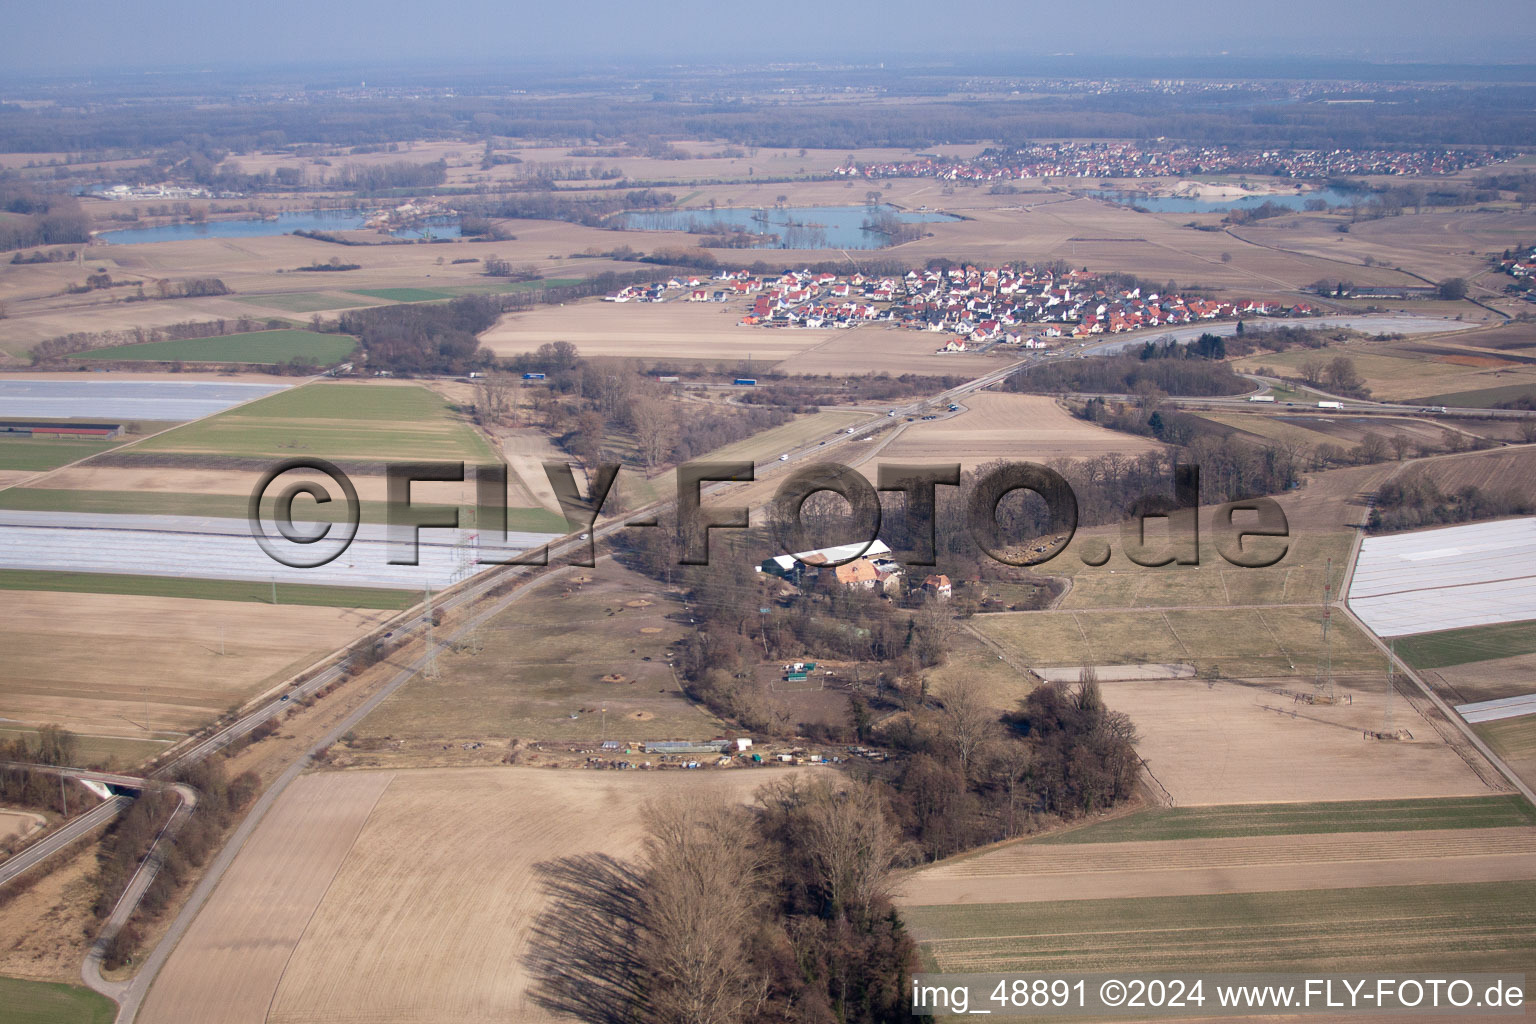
(1139, 160)
(982, 306)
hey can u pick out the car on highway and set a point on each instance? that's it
(784, 457)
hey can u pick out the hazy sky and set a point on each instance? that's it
(74, 35)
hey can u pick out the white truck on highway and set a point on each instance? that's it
(1261, 398)
(1330, 405)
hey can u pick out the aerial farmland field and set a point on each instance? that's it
(1011, 427)
(263, 347)
(362, 911)
(138, 672)
(1472, 926)
(336, 421)
(1024, 872)
(589, 659)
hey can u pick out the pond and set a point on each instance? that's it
(1183, 204)
(802, 227)
(314, 220)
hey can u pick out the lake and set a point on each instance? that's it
(315, 220)
(1180, 204)
(803, 227)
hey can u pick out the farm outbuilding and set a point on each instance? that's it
(43, 428)
(684, 747)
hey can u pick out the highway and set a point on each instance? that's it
(77, 827)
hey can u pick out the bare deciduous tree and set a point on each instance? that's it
(968, 720)
(655, 430)
(703, 892)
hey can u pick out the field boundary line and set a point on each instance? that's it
(1176, 636)
(1276, 637)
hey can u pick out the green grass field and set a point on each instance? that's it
(494, 287)
(37, 454)
(1241, 642)
(1514, 740)
(46, 1002)
(209, 590)
(403, 294)
(336, 421)
(234, 506)
(301, 302)
(263, 347)
(1233, 820)
(1475, 643)
(1482, 926)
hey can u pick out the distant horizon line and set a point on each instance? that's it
(1091, 65)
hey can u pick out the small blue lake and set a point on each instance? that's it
(316, 220)
(1181, 204)
(803, 227)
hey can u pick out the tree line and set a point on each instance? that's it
(1416, 499)
(734, 914)
(220, 800)
(1170, 368)
(39, 219)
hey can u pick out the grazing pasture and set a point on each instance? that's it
(544, 669)
(1241, 641)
